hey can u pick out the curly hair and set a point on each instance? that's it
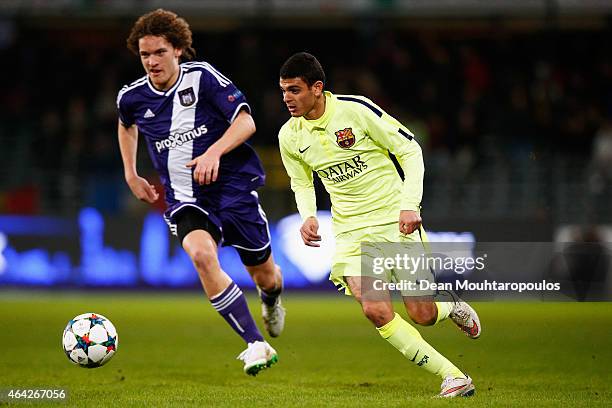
(162, 23)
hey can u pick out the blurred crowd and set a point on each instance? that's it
(508, 120)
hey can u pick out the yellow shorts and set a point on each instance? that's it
(347, 260)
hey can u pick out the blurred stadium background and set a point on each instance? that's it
(510, 100)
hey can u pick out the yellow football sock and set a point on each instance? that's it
(409, 342)
(444, 309)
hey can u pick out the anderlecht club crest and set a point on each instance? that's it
(345, 138)
(187, 97)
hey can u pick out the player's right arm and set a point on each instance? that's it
(128, 144)
(302, 185)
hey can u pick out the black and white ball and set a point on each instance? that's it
(90, 340)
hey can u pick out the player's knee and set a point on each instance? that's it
(422, 313)
(204, 259)
(377, 312)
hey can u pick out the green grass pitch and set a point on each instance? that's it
(176, 351)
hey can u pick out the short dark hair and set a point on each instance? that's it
(162, 23)
(303, 65)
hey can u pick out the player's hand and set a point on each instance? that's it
(142, 190)
(309, 232)
(206, 167)
(409, 221)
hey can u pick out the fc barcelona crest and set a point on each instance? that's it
(187, 97)
(345, 138)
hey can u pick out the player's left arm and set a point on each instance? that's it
(391, 135)
(219, 91)
(206, 166)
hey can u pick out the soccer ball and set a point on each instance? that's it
(90, 340)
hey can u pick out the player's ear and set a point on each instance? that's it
(178, 52)
(317, 87)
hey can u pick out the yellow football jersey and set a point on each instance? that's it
(348, 147)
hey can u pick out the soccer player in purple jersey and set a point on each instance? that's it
(196, 124)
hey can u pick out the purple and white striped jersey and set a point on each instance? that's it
(183, 122)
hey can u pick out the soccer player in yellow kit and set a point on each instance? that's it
(346, 140)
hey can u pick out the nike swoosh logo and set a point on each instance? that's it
(415, 354)
(306, 148)
(474, 329)
(455, 389)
